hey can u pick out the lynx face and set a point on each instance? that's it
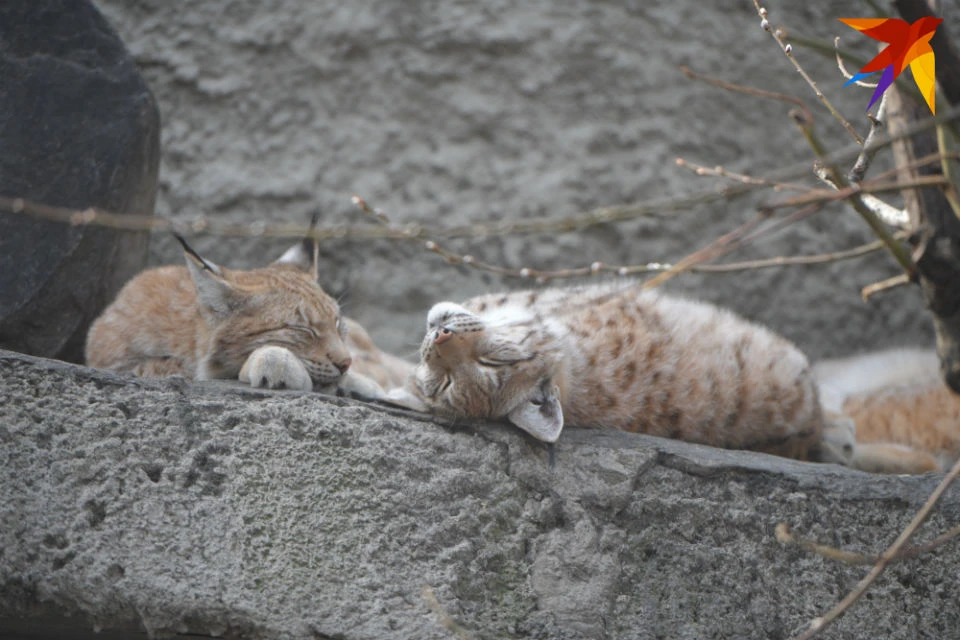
(205, 322)
(278, 306)
(481, 368)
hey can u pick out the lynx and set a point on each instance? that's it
(271, 327)
(904, 418)
(616, 356)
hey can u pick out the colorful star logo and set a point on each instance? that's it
(908, 44)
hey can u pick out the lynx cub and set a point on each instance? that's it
(271, 327)
(617, 357)
(905, 419)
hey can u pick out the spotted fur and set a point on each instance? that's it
(617, 357)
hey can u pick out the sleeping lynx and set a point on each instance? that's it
(906, 420)
(271, 327)
(617, 357)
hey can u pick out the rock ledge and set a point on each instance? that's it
(204, 508)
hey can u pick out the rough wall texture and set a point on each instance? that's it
(210, 509)
(442, 112)
(78, 128)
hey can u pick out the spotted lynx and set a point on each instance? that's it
(904, 418)
(271, 327)
(617, 357)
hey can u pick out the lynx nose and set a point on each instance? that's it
(343, 365)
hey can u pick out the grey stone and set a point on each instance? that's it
(207, 508)
(79, 128)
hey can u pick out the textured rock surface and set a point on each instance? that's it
(78, 128)
(210, 509)
(453, 111)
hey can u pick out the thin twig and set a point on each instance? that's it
(884, 285)
(847, 192)
(886, 212)
(732, 241)
(739, 88)
(722, 172)
(901, 255)
(597, 268)
(785, 536)
(843, 70)
(889, 214)
(826, 49)
(202, 224)
(821, 623)
(862, 165)
(777, 34)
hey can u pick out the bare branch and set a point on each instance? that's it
(785, 536)
(884, 285)
(739, 88)
(778, 35)
(721, 172)
(843, 70)
(896, 249)
(862, 165)
(598, 268)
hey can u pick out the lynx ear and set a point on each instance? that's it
(540, 415)
(304, 254)
(213, 291)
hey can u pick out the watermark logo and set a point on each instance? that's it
(907, 44)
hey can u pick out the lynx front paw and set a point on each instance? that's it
(359, 386)
(275, 368)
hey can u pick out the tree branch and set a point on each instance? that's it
(888, 556)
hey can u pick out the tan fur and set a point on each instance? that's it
(618, 357)
(383, 368)
(906, 419)
(272, 327)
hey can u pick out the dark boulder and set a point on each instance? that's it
(78, 128)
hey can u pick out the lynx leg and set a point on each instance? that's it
(403, 398)
(359, 386)
(892, 458)
(275, 368)
(837, 441)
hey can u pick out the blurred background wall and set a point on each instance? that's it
(443, 113)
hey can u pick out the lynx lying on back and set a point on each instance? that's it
(271, 327)
(617, 357)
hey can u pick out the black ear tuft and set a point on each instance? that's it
(305, 254)
(196, 257)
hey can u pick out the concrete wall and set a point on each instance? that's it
(447, 112)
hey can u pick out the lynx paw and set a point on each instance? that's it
(403, 398)
(360, 387)
(275, 368)
(838, 439)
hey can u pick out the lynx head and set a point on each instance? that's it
(279, 305)
(474, 368)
